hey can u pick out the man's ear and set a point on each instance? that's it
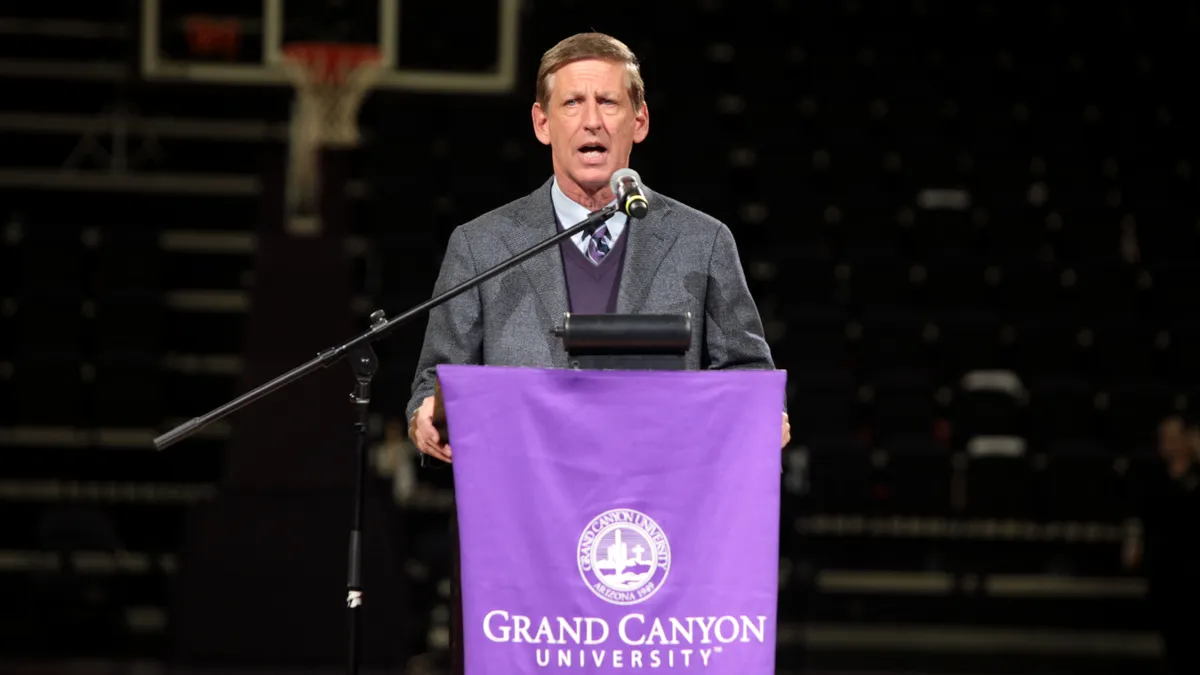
(641, 124)
(541, 124)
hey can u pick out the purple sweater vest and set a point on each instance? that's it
(592, 288)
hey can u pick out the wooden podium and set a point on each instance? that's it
(592, 342)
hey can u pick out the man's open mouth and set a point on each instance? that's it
(592, 150)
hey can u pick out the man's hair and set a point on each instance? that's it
(590, 46)
(1176, 418)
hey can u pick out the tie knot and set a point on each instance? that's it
(598, 244)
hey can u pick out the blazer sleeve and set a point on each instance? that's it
(454, 333)
(733, 329)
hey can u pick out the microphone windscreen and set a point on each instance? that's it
(620, 175)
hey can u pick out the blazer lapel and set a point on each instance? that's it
(535, 223)
(649, 240)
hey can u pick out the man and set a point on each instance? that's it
(590, 109)
(1169, 511)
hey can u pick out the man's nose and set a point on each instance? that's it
(591, 116)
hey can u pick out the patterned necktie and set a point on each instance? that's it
(598, 244)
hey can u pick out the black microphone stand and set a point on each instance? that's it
(364, 364)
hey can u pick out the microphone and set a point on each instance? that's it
(626, 184)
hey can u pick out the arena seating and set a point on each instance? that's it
(970, 228)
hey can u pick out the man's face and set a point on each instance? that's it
(589, 123)
(1172, 439)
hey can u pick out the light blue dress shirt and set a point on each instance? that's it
(570, 212)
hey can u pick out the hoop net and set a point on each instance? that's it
(331, 80)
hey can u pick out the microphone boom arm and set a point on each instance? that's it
(380, 327)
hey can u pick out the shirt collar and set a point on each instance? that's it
(570, 212)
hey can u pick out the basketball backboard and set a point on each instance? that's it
(444, 46)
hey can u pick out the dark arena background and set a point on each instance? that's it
(968, 226)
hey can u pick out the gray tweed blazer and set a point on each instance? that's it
(677, 260)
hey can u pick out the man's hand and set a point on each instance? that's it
(424, 435)
(787, 430)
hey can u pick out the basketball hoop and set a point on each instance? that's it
(331, 81)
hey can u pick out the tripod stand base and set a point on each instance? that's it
(240, 603)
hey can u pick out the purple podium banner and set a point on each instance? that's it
(612, 521)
